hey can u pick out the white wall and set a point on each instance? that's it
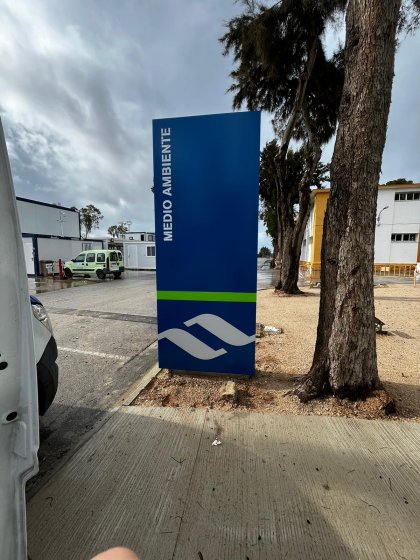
(44, 220)
(401, 216)
(66, 249)
(137, 236)
(29, 255)
(135, 256)
(305, 254)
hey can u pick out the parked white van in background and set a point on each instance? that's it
(97, 262)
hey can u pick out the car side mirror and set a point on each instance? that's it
(73, 260)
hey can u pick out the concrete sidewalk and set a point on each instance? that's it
(277, 487)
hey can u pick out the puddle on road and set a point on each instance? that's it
(267, 278)
(42, 285)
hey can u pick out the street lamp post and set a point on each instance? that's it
(378, 219)
(127, 224)
(61, 220)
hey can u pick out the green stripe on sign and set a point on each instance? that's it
(248, 297)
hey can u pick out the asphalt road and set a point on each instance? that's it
(105, 333)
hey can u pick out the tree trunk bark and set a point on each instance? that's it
(285, 219)
(292, 243)
(275, 253)
(287, 260)
(345, 354)
(295, 229)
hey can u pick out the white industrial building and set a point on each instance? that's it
(50, 232)
(397, 232)
(398, 224)
(139, 255)
(138, 248)
(138, 236)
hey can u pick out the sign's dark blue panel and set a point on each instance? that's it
(206, 210)
(207, 336)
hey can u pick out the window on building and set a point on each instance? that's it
(404, 237)
(90, 257)
(123, 236)
(131, 238)
(86, 246)
(407, 196)
(142, 237)
(150, 237)
(151, 251)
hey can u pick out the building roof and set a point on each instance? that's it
(137, 232)
(316, 192)
(404, 186)
(57, 206)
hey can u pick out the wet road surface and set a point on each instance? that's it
(105, 333)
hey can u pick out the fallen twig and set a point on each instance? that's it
(370, 505)
(179, 462)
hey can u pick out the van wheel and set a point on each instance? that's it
(100, 274)
(117, 275)
(68, 273)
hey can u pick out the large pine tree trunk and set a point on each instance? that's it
(275, 253)
(287, 281)
(289, 252)
(345, 354)
(295, 228)
(292, 246)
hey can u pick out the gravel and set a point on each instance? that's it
(283, 357)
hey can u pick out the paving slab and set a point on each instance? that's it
(300, 487)
(127, 484)
(278, 486)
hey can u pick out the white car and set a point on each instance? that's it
(45, 348)
(19, 420)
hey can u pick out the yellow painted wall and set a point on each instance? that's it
(320, 206)
(320, 199)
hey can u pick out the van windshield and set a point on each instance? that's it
(80, 258)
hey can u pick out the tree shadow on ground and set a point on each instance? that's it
(406, 397)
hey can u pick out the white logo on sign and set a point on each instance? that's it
(213, 324)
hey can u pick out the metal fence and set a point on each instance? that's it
(400, 269)
(312, 273)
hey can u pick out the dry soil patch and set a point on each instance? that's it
(282, 358)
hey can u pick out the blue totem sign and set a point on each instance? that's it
(206, 172)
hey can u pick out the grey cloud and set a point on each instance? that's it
(82, 81)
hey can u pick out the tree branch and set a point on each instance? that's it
(299, 98)
(312, 159)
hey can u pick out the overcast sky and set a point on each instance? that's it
(81, 81)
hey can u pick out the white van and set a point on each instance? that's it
(97, 262)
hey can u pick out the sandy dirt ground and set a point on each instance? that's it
(282, 358)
